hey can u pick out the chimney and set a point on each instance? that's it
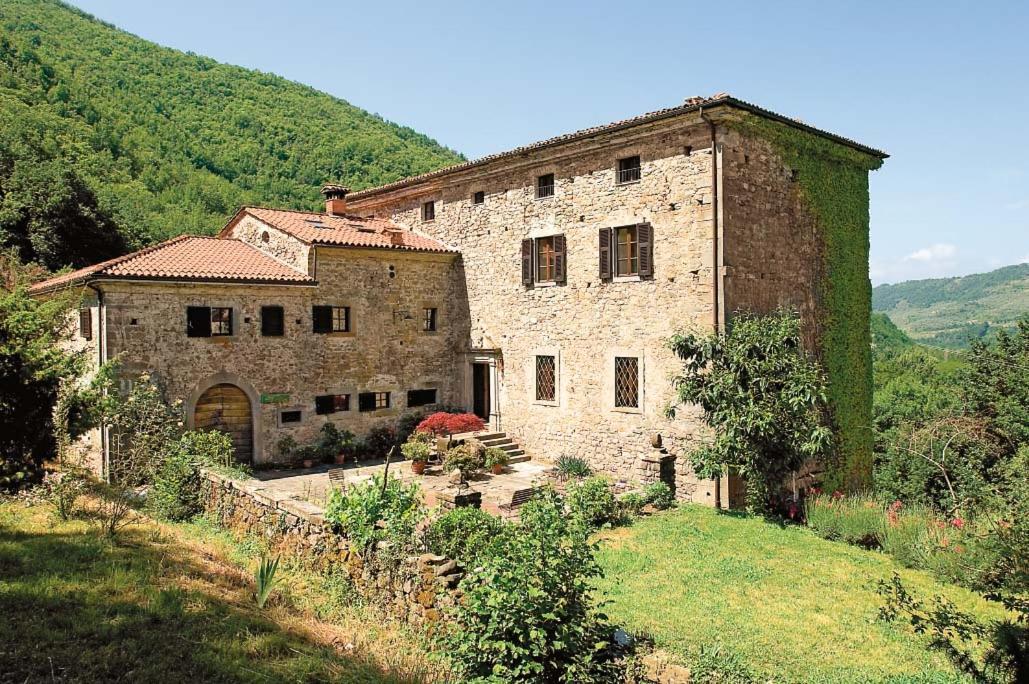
(335, 199)
(396, 236)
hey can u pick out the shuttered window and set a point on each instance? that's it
(627, 258)
(429, 322)
(626, 251)
(429, 211)
(273, 321)
(331, 403)
(544, 260)
(420, 397)
(85, 324)
(330, 319)
(372, 401)
(198, 321)
(221, 321)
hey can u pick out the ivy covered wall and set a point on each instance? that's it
(818, 230)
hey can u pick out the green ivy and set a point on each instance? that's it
(833, 181)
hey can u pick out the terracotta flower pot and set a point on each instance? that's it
(341, 459)
(308, 463)
(498, 469)
(418, 467)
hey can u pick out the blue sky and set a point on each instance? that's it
(942, 86)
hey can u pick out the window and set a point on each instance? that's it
(429, 324)
(372, 401)
(420, 397)
(543, 260)
(626, 251)
(330, 319)
(629, 170)
(478, 197)
(627, 255)
(273, 321)
(546, 378)
(429, 211)
(85, 324)
(331, 403)
(292, 416)
(627, 382)
(545, 186)
(207, 321)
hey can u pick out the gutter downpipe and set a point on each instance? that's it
(715, 261)
(101, 349)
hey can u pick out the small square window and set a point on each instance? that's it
(273, 321)
(478, 197)
(221, 321)
(546, 378)
(331, 403)
(373, 401)
(627, 382)
(330, 319)
(290, 417)
(628, 170)
(420, 397)
(429, 211)
(429, 322)
(545, 186)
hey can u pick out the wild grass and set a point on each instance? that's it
(776, 602)
(174, 603)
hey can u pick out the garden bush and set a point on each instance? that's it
(593, 502)
(903, 533)
(444, 424)
(464, 534)
(380, 440)
(572, 467)
(175, 491)
(375, 510)
(62, 490)
(466, 458)
(854, 519)
(659, 495)
(528, 613)
(631, 504)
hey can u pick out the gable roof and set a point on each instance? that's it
(315, 228)
(187, 257)
(690, 105)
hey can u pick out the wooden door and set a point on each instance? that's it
(226, 408)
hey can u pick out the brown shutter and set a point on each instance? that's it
(605, 253)
(645, 240)
(559, 258)
(527, 262)
(198, 321)
(321, 319)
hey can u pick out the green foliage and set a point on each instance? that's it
(592, 502)
(371, 511)
(286, 447)
(62, 490)
(833, 181)
(418, 447)
(333, 441)
(465, 534)
(762, 396)
(659, 495)
(175, 491)
(953, 312)
(495, 456)
(631, 504)
(465, 458)
(996, 384)
(854, 519)
(572, 466)
(380, 440)
(142, 428)
(265, 579)
(528, 614)
(109, 142)
(33, 367)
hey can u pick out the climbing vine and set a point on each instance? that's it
(833, 181)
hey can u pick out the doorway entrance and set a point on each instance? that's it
(226, 408)
(481, 390)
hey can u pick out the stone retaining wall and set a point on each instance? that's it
(417, 592)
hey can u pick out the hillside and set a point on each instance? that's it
(947, 312)
(108, 141)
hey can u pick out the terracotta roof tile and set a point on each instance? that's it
(350, 231)
(690, 104)
(187, 257)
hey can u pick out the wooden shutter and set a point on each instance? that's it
(527, 262)
(272, 321)
(605, 253)
(324, 404)
(559, 258)
(85, 324)
(645, 242)
(321, 318)
(198, 321)
(366, 401)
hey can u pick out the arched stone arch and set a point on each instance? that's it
(254, 398)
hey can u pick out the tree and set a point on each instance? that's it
(761, 394)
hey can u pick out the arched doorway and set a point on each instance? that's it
(226, 408)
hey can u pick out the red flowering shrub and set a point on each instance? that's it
(441, 423)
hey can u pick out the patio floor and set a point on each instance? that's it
(312, 484)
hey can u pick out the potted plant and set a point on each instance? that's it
(445, 425)
(417, 450)
(465, 458)
(307, 455)
(496, 459)
(335, 444)
(287, 448)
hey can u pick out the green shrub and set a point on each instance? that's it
(464, 534)
(631, 504)
(572, 466)
(286, 448)
(369, 512)
(495, 456)
(528, 613)
(659, 495)
(380, 440)
(903, 534)
(415, 449)
(175, 491)
(593, 502)
(854, 519)
(61, 490)
(333, 441)
(466, 458)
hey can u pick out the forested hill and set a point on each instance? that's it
(948, 312)
(109, 142)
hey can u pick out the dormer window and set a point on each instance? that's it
(429, 211)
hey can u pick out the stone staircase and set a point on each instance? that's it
(502, 441)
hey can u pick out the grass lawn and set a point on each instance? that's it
(787, 605)
(173, 603)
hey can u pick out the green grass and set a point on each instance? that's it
(173, 603)
(789, 606)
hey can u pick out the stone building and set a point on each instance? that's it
(536, 287)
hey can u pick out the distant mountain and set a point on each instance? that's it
(108, 141)
(949, 312)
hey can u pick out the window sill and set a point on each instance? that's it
(540, 402)
(624, 183)
(543, 199)
(627, 279)
(626, 409)
(336, 334)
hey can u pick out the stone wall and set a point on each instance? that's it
(585, 322)
(417, 592)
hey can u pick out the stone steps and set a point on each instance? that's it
(502, 441)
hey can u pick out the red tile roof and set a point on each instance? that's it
(691, 104)
(187, 257)
(350, 231)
